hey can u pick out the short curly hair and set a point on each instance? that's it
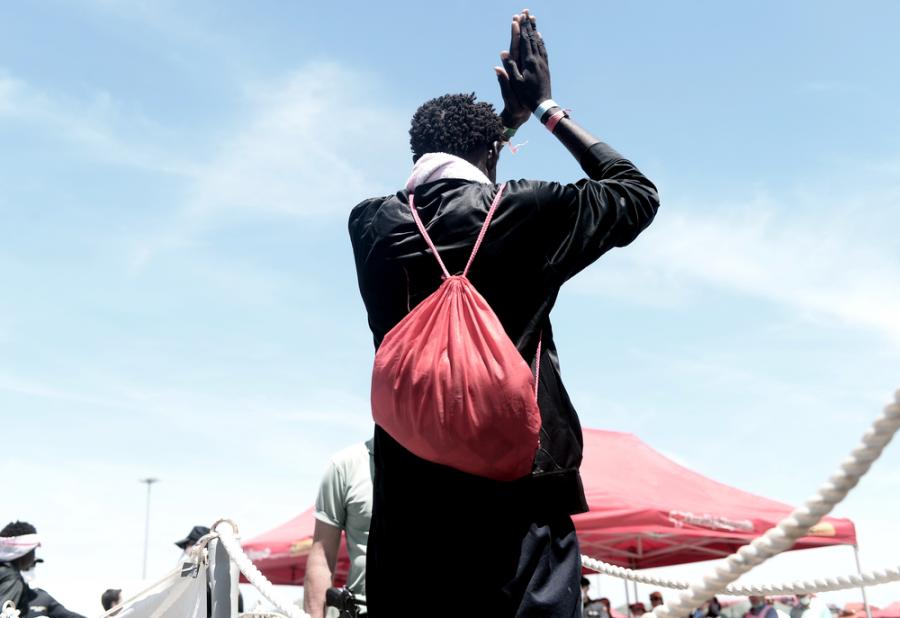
(456, 124)
(17, 528)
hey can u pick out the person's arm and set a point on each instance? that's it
(581, 221)
(320, 567)
(331, 519)
(525, 85)
(11, 585)
(55, 609)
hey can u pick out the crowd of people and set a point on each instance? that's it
(512, 537)
(393, 496)
(800, 606)
(343, 506)
(19, 542)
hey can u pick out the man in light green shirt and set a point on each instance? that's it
(344, 504)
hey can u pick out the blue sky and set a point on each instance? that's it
(178, 294)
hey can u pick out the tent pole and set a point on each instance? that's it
(627, 597)
(862, 587)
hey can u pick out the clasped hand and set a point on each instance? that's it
(525, 75)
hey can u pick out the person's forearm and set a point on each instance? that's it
(315, 584)
(573, 136)
(320, 567)
(599, 160)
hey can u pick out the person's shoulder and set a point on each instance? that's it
(41, 595)
(523, 184)
(350, 456)
(39, 601)
(366, 210)
(7, 571)
(532, 190)
(367, 205)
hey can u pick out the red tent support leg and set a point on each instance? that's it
(863, 587)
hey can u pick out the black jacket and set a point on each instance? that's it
(542, 234)
(31, 602)
(12, 586)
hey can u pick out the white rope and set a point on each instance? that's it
(774, 541)
(795, 525)
(228, 539)
(809, 586)
(9, 610)
(829, 584)
(631, 575)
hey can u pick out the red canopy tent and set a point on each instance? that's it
(648, 511)
(281, 553)
(891, 611)
(645, 511)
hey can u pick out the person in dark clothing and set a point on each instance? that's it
(196, 533)
(18, 542)
(185, 545)
(510, 546)
(111, 598)
(760, 608)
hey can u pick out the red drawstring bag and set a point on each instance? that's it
(449, 384)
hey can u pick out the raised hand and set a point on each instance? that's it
(525, 76)
(515, 113)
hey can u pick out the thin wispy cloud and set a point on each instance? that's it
(825, 86)
(817, 263)
(179, 297)
(186, 406)
(22, 386)
(313, 143)
(307, 148)
(169, 21)
(95, 127)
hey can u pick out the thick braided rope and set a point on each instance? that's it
(253, 575)
(9, 610)
(795, 525)
(829, 584)
(631, 575)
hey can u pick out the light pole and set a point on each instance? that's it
(149, 482)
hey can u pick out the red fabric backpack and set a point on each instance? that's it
(450, 386)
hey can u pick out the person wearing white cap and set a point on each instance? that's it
(18, 542)
(808, 606)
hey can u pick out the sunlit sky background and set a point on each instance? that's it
(177, 292)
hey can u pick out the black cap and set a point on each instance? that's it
(193, 536)
(109, 598)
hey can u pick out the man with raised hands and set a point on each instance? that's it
(18, 542)
(500, 548)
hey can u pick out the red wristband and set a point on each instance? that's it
(553, 120)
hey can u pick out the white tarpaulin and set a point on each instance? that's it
(185, 592)
(182, 594)
(223, 582)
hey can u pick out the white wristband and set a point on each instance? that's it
(541, 109)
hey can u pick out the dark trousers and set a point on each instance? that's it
(443, 543)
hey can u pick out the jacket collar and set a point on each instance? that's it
(438, 165)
